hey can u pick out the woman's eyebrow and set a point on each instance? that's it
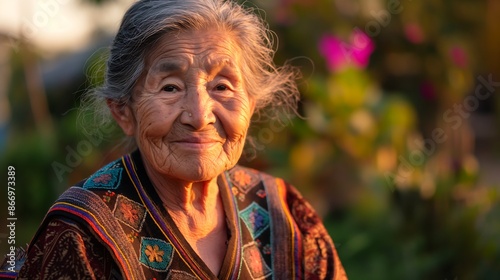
(170, 66)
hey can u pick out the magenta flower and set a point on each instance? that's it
(340, 54)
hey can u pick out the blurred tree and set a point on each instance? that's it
(388, 146)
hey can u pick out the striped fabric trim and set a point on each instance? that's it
(8, 275)
(155, 214)
(298, 246)
(239, 242)
(281, 229)
(89, 207)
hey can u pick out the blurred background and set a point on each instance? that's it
(397, 146)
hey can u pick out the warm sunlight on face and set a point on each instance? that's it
(190, 106)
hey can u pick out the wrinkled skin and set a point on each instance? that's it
(189, 115)
(190, 111)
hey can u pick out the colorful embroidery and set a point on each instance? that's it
(254, 262)
(129, 212)
(156, 254)
(306, 219)
(261, 193)
(267, 249)
(132, 236)
(255, 218)
(60, 251)
(108, 177)
(106, 197)
(244, 179)
(234, 190)
(179, 275)
(316, 263)
(241, 197)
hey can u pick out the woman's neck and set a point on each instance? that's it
(194, 206)
(198, 213)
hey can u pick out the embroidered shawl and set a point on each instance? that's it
(113, 226)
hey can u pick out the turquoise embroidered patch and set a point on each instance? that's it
(255, 218)
(156, 254)
(108, 177)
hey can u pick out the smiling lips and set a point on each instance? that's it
(198, 143)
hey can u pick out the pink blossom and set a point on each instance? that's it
(340, 54)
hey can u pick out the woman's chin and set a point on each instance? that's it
(195, 170)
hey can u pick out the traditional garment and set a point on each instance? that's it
(113, 226)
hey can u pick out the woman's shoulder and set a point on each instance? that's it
(246, 177)
(107, 177)
(63, 242)
(243, 175)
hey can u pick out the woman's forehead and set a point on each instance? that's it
(182, 64)
(208, 49)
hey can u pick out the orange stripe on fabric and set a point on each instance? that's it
(282, 191)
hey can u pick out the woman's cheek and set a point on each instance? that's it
(153, 119)
(239, 109)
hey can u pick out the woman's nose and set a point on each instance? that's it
(199, 108)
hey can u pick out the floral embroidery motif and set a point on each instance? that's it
(255, 262)
(234, 190)
(108, 177)
(241, 197)
(255, 218)
(132, 236)
(241, 177)
(107, 196)
(129, 212)
(266, 249)
(244, 179)
(261, 193)
(156, 254)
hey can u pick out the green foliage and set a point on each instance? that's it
(396, 209)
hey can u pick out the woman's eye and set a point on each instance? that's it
(170, 88)
(221, 87)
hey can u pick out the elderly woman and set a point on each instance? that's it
(183, 81)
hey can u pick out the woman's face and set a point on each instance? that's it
(190, 109)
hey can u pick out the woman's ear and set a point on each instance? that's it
(123, 116)
(252, 106)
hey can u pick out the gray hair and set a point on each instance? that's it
(147, 20)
